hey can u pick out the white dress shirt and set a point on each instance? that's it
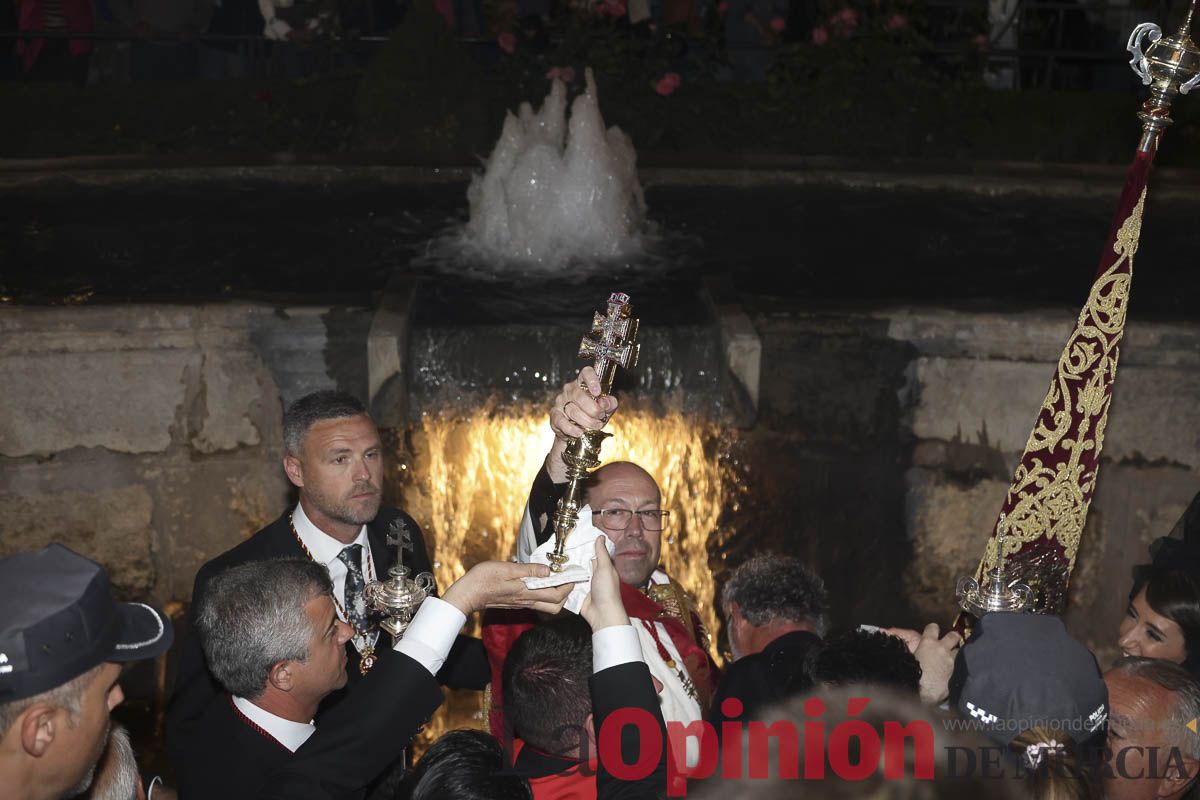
(427, 641)
(325, 550)
(614, 646)
(288, 733)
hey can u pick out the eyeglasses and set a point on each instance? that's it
(617, 519)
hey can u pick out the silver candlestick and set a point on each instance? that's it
(995, 594)
(398, 597)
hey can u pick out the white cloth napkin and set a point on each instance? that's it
(580, 551)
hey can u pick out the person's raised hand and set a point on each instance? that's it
(498, 584)
(579, 407)
(602, 608)
(910, 637)
(936, 656)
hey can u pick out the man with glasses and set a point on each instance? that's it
(627, 505)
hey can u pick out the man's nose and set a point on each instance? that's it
(362, 470)
(345, 632)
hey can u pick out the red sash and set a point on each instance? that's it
(699, 665)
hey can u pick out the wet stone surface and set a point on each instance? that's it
(338, 244)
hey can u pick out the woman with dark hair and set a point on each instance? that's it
(1163, 618)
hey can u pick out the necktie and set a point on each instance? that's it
(356, 605)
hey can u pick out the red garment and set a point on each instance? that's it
(699, 664)
(574, 784)
(76, 13)
(502, 628)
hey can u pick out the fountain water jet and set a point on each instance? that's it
(554, 192)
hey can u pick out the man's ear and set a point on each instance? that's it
(1181, 773)
(294, 470)
(735, 613)
(281, 676)
(38, 726)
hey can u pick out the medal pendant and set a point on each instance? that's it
(670, 663)
(366, 661)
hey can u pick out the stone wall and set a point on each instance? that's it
(146, 437)
(904, 428)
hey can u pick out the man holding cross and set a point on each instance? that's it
(627, 506)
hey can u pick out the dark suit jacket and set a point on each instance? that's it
(232, 759)
(623, 686)
(763, 679)
(195, 688)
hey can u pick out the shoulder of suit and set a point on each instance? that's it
(273, 541)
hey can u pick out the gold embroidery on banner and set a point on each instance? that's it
(1051, 500)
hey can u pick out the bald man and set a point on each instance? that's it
(626, 504)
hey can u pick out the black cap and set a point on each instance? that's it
(1020, 671)
(58, 619)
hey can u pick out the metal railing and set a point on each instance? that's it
(1042, 44)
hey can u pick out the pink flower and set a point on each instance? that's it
(819, 35)
(980, 40)
(611, 8)
(722, 7)
(564, 74)
(507, 42)
(668, 83)
(896, 22)
(847, 17)
(778, 24)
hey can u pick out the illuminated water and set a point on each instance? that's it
(472, 473)
(557, 191)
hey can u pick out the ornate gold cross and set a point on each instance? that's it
(610, 344)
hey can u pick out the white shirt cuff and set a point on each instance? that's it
(615, 645)
(431, 634)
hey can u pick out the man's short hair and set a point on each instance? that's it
(1186, 689)
(68, 697)
(773, 588)
(251, 617)
(465, 765)
(546, 693)
(864, 657)
(313, 408)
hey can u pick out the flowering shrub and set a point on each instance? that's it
(668, 83)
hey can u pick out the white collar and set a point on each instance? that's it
(323, 547)
(288, 733)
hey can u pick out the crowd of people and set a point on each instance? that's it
(288, 688)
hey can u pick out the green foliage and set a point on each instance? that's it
(422, 93)
(871, 89)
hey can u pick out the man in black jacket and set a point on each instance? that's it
(272, 636)
(334, 456)
(775, 608)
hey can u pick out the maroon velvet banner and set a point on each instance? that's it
(1044, 513)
